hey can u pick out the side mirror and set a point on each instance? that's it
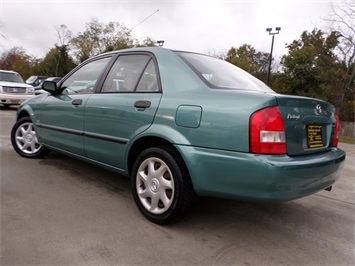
(50, 86)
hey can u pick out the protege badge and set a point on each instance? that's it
(295, 117)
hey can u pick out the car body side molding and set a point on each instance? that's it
(84, 134)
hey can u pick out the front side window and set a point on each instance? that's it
(221, 74)
(85, 78)
(131, 73)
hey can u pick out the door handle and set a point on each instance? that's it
(142, 104)
(77, 102)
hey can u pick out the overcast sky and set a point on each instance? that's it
(194, 25)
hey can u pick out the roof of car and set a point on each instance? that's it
(139, 49)
(7, 71)
(154, 50)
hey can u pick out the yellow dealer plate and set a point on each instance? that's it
(315, 136)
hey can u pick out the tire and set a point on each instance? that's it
(161, 185)
(24, 139)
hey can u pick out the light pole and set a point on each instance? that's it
(272, 47)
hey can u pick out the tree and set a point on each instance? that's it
(2, 36)
(306, 66)
(147, 42)
(342, 20)
(311, 68)
(99, 37)
(252, 61)
(220, 54)
(18, 60)
(57, 62)
(63, 34)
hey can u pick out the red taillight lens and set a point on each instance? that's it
(336, 133)
(267, 132)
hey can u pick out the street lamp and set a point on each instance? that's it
(272, 47)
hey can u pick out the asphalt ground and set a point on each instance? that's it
(61, 211)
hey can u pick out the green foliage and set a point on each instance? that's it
(147, 42)
(17, 60)
(57, 62)
(99, 37)
(252, 61)
(317, 65)
(307, 64)
(348, 109)
(311, 68)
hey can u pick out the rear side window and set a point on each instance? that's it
(218, 73)
(149, 79)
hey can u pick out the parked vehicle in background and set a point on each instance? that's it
(38, 89)
(13, 90)
(180, 124)
(35, 80)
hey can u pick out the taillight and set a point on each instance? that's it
(336, 133)
(267, 132)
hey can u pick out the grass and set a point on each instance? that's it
(347, 140)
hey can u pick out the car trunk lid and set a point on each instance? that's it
(309, 124)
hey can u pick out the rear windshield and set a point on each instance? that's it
(220, 74)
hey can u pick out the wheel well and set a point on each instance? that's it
(143, 144)
(22, 115)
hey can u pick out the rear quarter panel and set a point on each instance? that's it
(222, 115)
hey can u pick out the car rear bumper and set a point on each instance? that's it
(15, 99)
(254, 177)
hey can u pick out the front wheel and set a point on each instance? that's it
(161, 185)
(24, 139)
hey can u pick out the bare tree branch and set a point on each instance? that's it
(2, 36)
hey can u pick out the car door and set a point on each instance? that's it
(62, 120)
(124, 107)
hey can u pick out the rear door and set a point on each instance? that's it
(124, 107)
(310, 124)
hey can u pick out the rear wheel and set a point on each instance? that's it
(24, 139)
(161, 185)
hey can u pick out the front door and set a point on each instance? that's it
(62, 117)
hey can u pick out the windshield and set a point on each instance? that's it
(11, 77)
(221, 74)
(31, 79)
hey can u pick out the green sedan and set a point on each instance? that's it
(182, 124)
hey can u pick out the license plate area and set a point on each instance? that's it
(315, 136)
